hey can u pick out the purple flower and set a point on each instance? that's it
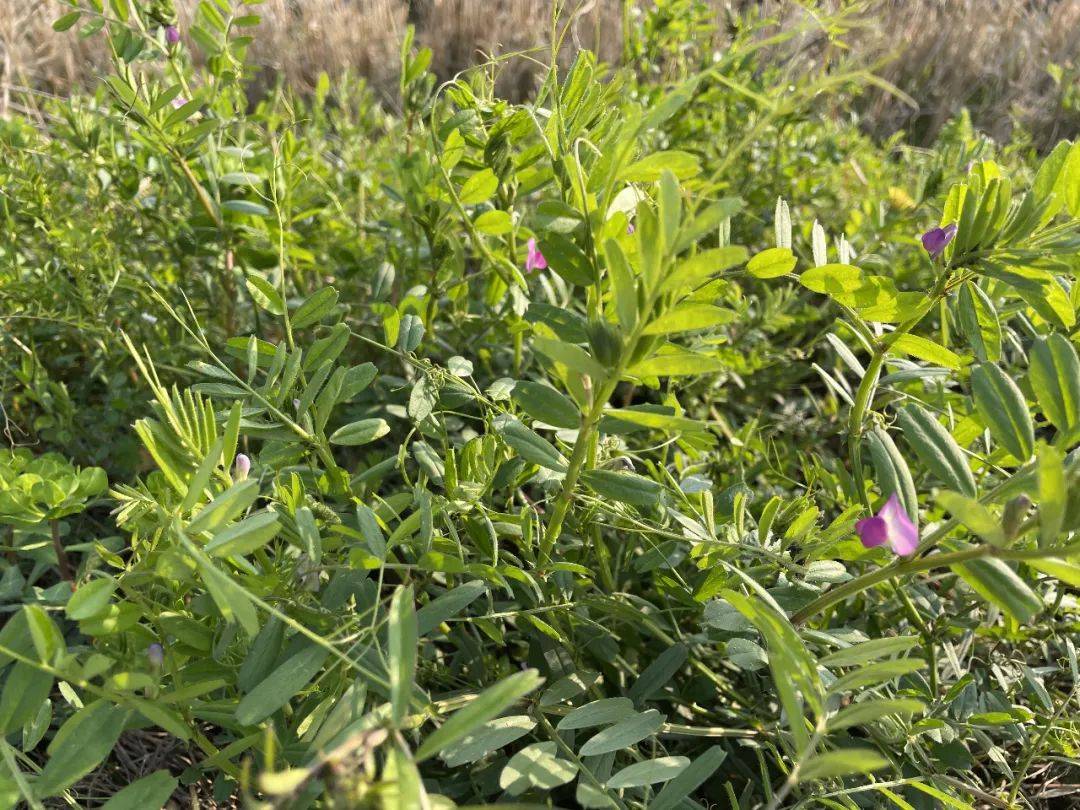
(172, 34)
(630, 227)
(936, 240)
(535, 260)
(890, 525)
(179, 102)
(156, 655)
(242, 466)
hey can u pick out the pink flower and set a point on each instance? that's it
(936, 240)
(242, 467)
(535, 259)
(890, 525)
(172, 34)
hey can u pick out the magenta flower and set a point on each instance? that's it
(172, 34)
(242, 466)
(156, 655)
(936, 240)
(535, 259)
(890, 525)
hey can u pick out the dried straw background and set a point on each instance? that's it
(991, 55)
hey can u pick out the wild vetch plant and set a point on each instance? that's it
(660, 442)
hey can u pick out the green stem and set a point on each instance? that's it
(577, 462)
(914, 566)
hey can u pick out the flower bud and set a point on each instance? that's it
(242, 467)
(155, 653)
(172, 34)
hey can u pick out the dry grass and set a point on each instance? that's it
(990, 55)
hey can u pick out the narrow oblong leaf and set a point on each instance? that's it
(936, 448)
(1054, 375)
(1002, 408)
(649, 772)
(623, 734)
(487, 705)
(360, 432)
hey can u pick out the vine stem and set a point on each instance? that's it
(577, 461)
(868, 385)
(61, 555)
(918, 564)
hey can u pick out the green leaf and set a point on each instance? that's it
(974, 515)
(149, 793)
(531, 446)
(479, 187)
(360, 432)
(640, 774)
(687, 318)
(545, 404)
(845, 762)
(25, 689)
(1054, 375)
(448, 605)
(867, 711)
(833, 279)
(567, 259)
(867, 651)
(1053, 494)
(996, 582)
(598, 713)
(265, 295)
(80, 745)
(891, 471)
(573, 357)
(623, 285)
(281, 685)
(928, 350)
(649, 169)
(90, 599)
(487, 705)
(623, 734)
(486, 739)
(695, 270)
(772, 263)
(979, 323)
(66, 21)
(623, 487)
(201, 479)
(676, 363)
(226, 506)
(402, 638)
(658, 674)
(47, 638)
(245, 536)
(315, 307)
(691, 778)
(494, 223)
(793, 670)
(648, 419)
(1070, 180)
(536, 766)
(936, 448)
(875, 674)
(1001, 405)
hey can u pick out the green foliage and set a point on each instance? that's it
(400, 519)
